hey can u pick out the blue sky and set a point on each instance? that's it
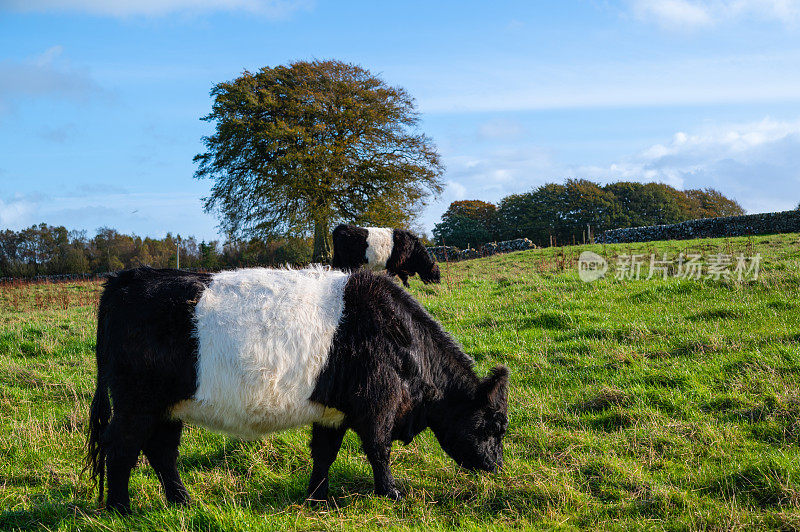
(100, 101)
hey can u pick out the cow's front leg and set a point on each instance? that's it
(325, 444)
(404, 277)
(377, 443)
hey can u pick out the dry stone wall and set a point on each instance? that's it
(748, 224)
(452, 253)
(507, 246)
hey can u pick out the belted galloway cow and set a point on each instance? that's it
(397, 251)
(253, 351)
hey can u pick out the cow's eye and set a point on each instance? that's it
(499, 424)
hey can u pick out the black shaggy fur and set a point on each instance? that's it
(349, 247)
(391, 370)
(408, 257)
(394, 372)
(146, 362)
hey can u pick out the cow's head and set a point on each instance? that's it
(423, 264)
(472, 431)
(430, 273)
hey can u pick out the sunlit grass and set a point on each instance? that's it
(663, 403)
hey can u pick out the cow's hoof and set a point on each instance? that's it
(181, 501)
(119, 509)
(315, 501)
(393, 494)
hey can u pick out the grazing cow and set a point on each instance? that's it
(396, 250)
(253, 351)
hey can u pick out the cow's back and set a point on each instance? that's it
(380, 243)
(263, 337)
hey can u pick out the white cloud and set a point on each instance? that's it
(500, 128)
(455, 190)
(673, 13)
(757, 163)
(127, 8)
(490, 176)
(16, 212)
(693, 14)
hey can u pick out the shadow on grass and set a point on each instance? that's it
(547, 320)
(227, 457)
(604, 399)
(521, 498)
(613, 420)
(781, 305)
(47, 511)
(714, 314)
(767, 484)
(54, 509)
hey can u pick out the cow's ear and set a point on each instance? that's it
(494, 388)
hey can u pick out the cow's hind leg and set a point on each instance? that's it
(123, 441)
(325, 445)
(161, 450)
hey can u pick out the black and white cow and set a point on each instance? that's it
(253, 351)
(396, 250)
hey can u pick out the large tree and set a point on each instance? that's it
(538, 214)
(467, 223)
(298, 148)
(642, 204)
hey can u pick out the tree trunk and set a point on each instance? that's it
(322, 242)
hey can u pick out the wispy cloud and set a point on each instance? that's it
(46, 75)
(673, 13)
(694, 14)
(688, 80)
(455, 191)
(57, 134)
(155, 8)
(91, 206)
(499, 129)
(490, 175)
(16, 212)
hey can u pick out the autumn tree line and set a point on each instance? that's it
(560, 214)
(53, 250)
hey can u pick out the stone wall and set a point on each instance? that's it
(444, 253)
(507, 246)
(453, 254)
(749, 224)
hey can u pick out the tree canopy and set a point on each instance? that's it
(563, 212)
(466, 223)
(298, 148)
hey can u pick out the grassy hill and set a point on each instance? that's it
(662, 403)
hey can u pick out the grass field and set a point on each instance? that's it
(663, 403)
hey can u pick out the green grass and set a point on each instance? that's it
(665, 404)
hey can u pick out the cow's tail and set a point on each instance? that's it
(99, 413)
